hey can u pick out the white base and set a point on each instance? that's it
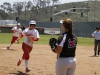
(4, 48)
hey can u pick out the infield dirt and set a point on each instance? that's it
(42, 61)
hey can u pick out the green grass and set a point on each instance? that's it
(86, 41)
(5, 38)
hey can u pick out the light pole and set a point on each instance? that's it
(25, 12)
(87, 10)
(94, 10)
(25, 9)
(53, 11)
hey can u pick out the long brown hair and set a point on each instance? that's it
(69, 25)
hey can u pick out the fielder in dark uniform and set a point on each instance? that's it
(65, 50)
(96, 36)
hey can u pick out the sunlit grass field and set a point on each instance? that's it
(5, 38)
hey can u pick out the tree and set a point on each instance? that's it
(27, 6)
(6, 7)
(18, 6)
(3, 14)
(42, 7)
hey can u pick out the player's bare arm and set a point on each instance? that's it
(58, 50)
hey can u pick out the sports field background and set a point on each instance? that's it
(5, 38)
(43, 60)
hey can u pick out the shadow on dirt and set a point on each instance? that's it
(93, 56)
(12, 49)
(19, 73)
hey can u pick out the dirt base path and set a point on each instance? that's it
(42, 61)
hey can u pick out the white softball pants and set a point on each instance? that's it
(66, 66)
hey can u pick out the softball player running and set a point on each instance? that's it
(96, 36)
(31, 35)
(66, 62)
(16, 31)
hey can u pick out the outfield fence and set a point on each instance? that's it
(81, 29)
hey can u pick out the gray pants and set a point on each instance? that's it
(66, 66)
(97, 43)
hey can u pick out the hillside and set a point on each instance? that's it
(92, 12)
(43, 15)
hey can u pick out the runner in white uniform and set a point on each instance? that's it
(16, 31)
(31, 35)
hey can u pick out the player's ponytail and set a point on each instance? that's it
(68, 25)
(70, 32)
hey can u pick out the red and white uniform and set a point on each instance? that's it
(29, 41)
(30, 35)
(16, 31)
